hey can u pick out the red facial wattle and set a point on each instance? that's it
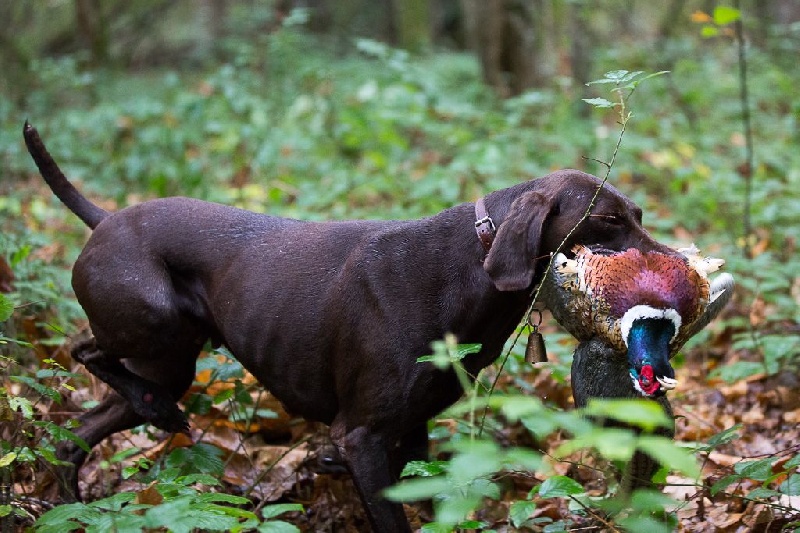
(647, 380)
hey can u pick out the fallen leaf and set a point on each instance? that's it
(149, 495)
(723, 459)
(758, 514)
(792, 417)
(757, 311)
(735, 390)
(721, 517)
(701, 17)
(753, 416)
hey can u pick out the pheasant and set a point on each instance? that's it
(646, 305)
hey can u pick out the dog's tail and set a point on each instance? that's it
(91, 214)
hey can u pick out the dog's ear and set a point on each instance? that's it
(512, 259)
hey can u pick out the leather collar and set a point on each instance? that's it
(484, 225)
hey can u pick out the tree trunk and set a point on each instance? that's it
(210, 20)
(503, 35)
(580, 52)
(412, 20)
(92, 29)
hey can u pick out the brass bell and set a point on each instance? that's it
(535, 351)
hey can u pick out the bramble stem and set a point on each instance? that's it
(624, 117)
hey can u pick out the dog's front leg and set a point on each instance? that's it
(367, 457)
(413, 446)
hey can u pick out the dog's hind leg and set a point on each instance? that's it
(171, 378)
(150, 400)
(148, 325)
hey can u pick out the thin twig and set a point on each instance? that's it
(267, 469)
(594, 514)
(624, 117)
(747, 170)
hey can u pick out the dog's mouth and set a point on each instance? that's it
(596, 249)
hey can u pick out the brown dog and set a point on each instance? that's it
(331, 317)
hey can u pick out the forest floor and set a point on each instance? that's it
(276, 458)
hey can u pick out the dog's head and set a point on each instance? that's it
(541, 214)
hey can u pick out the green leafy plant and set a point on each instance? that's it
(175, 502)
(771, 480)
(177, 494)
(29, 440)
(473, 472)
(460, 485)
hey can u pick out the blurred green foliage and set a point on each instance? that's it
(283, 125)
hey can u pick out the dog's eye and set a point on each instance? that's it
(609, 219)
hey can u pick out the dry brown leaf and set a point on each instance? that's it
(789, 400)
(735, 390)
(790, 502)
(758, 514)
(760, 444)
(273, 473)
(721, 517)
(723, 459)
(757, 312)
(180, 440)
(792, 417)
(222, 436)
(149, 495)
(726, 421)
(697, 432)
(700, 17)
(753, 416)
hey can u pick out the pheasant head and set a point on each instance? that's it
(644, 304)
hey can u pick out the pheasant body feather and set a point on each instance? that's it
(632, 299)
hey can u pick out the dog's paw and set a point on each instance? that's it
(174, 421)
(158, 408)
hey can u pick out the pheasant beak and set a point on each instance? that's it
(667, 383)
(648, 338)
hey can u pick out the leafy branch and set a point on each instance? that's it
(625, 84)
